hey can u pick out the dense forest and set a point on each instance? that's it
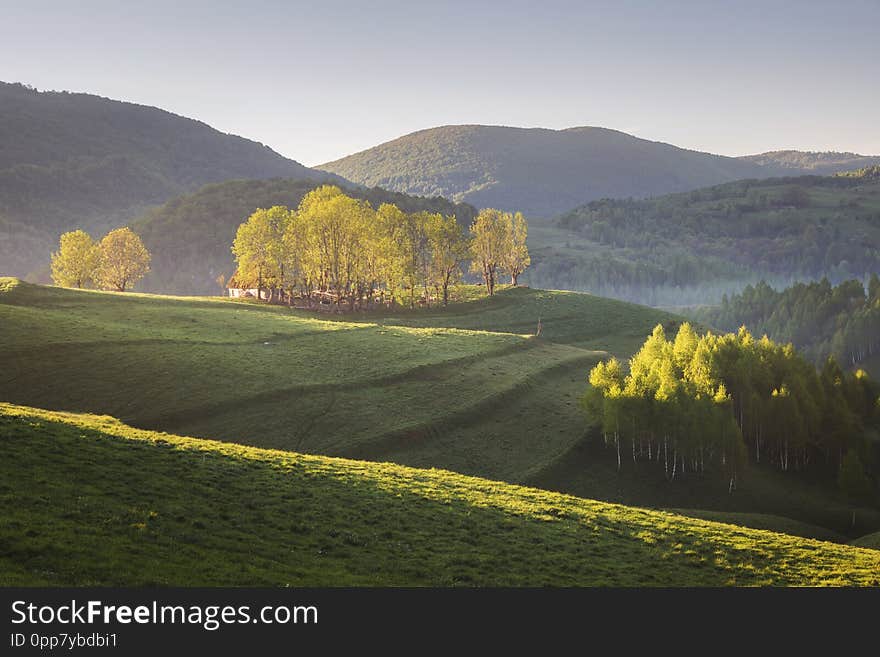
(693, 247)
(708, 403)
(190, 236)
(821, 320)
(71, 160)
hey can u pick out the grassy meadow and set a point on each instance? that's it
(365, 386)
(87, 500)
(468, 388)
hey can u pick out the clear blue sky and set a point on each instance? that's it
(318, 80)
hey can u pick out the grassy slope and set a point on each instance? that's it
(763, 495)
(115, 505)
(462, 389)
(868, 541)
(766, 521)
(377, 388)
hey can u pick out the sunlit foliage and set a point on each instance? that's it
(695, 402)
(338, 248)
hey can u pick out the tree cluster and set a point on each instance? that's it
(117, 262)
(696, 402)
(339, 248)
(821, 320)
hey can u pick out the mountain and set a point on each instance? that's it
(538, 171)
(72, 160)
(191, 235)
(796, 162)
(693, 247)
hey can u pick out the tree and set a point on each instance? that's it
(335, 229)
(487, 245)
(258, 247)
(75, 264)
(515, 254)
(675, 398)
(449, 248)
(124, 259)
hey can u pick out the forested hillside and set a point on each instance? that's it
(190, 237)
(819, 319)
(798, 162)
(72, 160)
(545, 172)
(537, 171)
(693, 247)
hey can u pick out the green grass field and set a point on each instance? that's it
(87, 500)
(449, 388)
(468, 388)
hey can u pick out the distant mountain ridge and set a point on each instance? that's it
(73, 160)
(545, 172)
(812, 162)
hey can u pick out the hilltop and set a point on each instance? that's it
(544, 172)
(120, 506)
(693, 247)
(792, 163)
(74, 160)
(537, 171)
(191, 235)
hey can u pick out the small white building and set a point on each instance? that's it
(239, 289)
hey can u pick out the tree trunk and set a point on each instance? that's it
(617, 440)
(665, 457)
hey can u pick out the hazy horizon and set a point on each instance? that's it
(317, 84)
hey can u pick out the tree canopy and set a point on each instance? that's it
(337, 247)
(75, 264)
(696, 402)
(820, 319)
(124, 260)
(117, 262)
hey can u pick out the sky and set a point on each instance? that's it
(319, 80)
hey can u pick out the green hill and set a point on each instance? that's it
(72, 160)
(691, 248)
(89, 501)
(537, 171)
(545, 172)
(423, 389)
(467, 388)
(795, 163)
(190, 236)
